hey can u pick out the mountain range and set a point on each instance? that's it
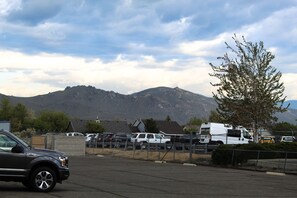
(87, 102)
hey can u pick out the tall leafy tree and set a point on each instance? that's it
(193, 125)
(6, 109)
(51, 121)
(151, 126)
(19, 114)
(284, 128)
(195, 121)
(215, 117)
(94, 127)
(249, 90)
(168, 119)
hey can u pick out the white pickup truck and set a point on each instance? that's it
(151, 138)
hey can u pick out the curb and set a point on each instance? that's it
(160, 162)
(275, 173)
(189, 164)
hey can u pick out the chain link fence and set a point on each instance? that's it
(279, 161)
(156, 151)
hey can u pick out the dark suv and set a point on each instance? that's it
(37, 169)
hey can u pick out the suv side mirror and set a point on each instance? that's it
(17, 149)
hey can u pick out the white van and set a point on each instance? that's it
(223, 134)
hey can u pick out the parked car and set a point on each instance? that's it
(74, 134)
(267, 139)
(100, 140)
(186, 139)
(149, 138)
(105, 137)
(89, 136)
(121, 137)
(287, 139)
(37, 169)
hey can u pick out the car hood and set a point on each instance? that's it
(47, 152)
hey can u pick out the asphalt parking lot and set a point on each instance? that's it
(93, 176)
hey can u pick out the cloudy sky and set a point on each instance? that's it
(130, 45)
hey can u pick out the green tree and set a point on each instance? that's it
(284, 128)
(19, 115)
(94, 127)
(168, 119)
(193, 125)
(51, 121)
(196, 121)
(215, 117)
(5, 109)
(249, 91)
(151, 126)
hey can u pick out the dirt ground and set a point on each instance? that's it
(153, 155)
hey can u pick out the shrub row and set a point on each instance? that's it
(238, 154)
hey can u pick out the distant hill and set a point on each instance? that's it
(293, 104)
(86, 102)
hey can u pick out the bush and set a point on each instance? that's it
(223, 154)
(238, 154)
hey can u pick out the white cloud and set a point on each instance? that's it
(51, 33)
(160, 43)
(175, 28)
(8, 6)
(289, 80)
(204, 48)
(279, 27)
(29, 75)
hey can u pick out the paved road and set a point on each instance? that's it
(93, 176)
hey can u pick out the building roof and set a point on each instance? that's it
(115, 126)
(164, 126)
(169, 127)
(109, 126)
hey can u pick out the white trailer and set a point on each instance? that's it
(223, 134)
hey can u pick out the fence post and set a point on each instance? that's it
(133, 149)
(174, 149)
(147, 151)
(126, 144)
(258, 156)
(191, 147)
(159, 148)
(232, 157)
(285, 163)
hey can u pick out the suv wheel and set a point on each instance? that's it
(143, 145)
(43, 179)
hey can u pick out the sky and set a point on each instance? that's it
(127, 46)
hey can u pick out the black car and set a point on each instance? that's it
(186, 139)
(37, 169)
(121, 137)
